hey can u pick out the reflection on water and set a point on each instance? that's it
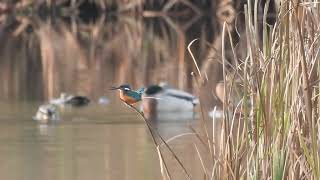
(40, 59)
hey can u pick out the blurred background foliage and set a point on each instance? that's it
(84, 46)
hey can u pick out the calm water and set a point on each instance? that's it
(95, 142)
(41, 59)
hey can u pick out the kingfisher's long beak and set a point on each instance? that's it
(114, 88)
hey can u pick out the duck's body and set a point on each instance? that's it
(161, 98)
(78, 101)
(71, 100)
(47, 112)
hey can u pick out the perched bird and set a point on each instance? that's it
(75, 101)
(46, 113)
(128, 95)
(162, 98)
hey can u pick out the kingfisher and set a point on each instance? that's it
(128, 95)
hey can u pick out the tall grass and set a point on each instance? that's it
(272, 132)
(276, 133)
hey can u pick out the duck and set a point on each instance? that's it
(103, 100)
(47, 112)
(161, 98)
(72, 100)
(235, 90)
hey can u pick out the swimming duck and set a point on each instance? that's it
(47, 112)
(235, 90)
(103, 100)
(163, 98)
(75, 101)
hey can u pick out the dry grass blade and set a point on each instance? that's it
(192, 56)
(307, 97)
(152, 130)
(201, 160)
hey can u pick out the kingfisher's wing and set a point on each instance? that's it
(140, 91)
(134, 95)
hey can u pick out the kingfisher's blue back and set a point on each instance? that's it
(134, 94)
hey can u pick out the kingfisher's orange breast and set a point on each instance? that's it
(127, 99)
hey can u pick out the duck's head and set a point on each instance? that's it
(124, 87)
(46, 113)
(153, 90)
